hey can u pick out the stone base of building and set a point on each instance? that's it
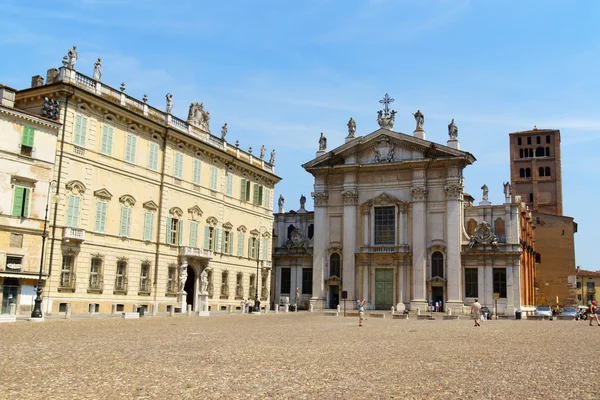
(455, 307)
(317, 304)
(420, 305)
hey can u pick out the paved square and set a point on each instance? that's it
(297, 355)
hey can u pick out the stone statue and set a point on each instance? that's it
(182, 276)
(351, 127)
(262, 152)
(507, 190)
(72, 55)
(169, 108)
(452, 130)
(420, 119)
(302, 201)
(203, 281)
(280, 203)
(199, 117)
(272, 160)
(98, 69)
(322, 142)
(485, 192)
(224, 131)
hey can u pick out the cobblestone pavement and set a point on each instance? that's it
(297, 355)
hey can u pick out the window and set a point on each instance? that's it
(27, 141)
(130, 143)
(519, 141)
(171, 279)
(267, 198)
(229, 188)
(100, 217)
(240, 244)
(531, 197)
(213, 178)
(578, 285)
(529, 140)
(286, 280)
(80, 130)
(96, 274)
(14, 263)
(590, 285)
(197, 170)
(209, 238)
(224, 284)
(66, 273)
(307, 274)
(252, 243)
(252, 289)
(174, 228)
(530, 152)
(522, 172)
(148, 225)
(106, 140)
(541, 171)
(500, 281)
(547, 138)
(72, 211)
(437, 264)
(471, 282)
(121, 276)
(265, 248)
(21, 201)
(153, 156)
(245, 190)
(384, 225)
(539, 152)
(520, 153)
(538, 139)
(178, 171)
(193, 242)
(527, 173)
(125, 221)
(335, 265)
(547, 151)
(258, 194)
(145, 278)
(547, 171)
(239, 288)
(226, 243)
(538, 258)
(311, 231)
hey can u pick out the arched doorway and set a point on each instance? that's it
(189, 286)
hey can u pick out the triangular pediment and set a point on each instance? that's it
(150, 205)
(384, 146)
(103, 194)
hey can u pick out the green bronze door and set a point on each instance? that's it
(384, 289)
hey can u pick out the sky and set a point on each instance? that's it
(281, 72)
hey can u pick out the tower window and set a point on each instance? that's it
(547, 171)
(529, 140)
(538, 139)
(520, 153)
(519, 141)
(547, 151)
(522, 172)
(547, 138)
(531, 197)
(541, 172)
(527, 172)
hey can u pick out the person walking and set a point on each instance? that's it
(476, 311)
(593, 313)
(360, 306)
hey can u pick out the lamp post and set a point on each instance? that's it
(37, 308)
(256, 300)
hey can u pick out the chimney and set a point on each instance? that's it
(37, 81)
(7, 96)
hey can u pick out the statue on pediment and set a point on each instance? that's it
(386, 119)
(224, 131)
(199, 117)
(72, 57)
(351, 127)
(452, 130)
(98, 69)
(419, 119)
(485, 189)
(272, 159)
(322, 142)
(280, 203)
(507, 190)
(169, 100)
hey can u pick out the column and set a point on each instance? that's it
(454, 196)
(402, 224)
(365, 294)
(400, 284)
(419, 241)
(321, 235)
(489, 286)
(349, 242)
(366, 226)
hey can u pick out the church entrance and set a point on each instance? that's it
(334, 296)
(437, 297)
(384, 289)
(189, 286)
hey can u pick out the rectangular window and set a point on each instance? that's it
(27, 141)
(148, 225)
(500, 281)
(173, 230)
(471, 282)
(548, 139)
(286, 280)
(125, 221)
(227, 242)
(100, 217)
(578, 285)
(229, 189)
(267, 198)
(153, 156)
(385, 226)
(178, 172)
(252, 244)
(258, 194)
(240, 244)
(197, 170)
(211, 238)
(193, 234)
(21, 202)
(529, 140)
(519, 141)
(245, 190)
(95, 273)
(171, 279)
(80, 130)
(121, 275)
(213, 178)
(73, 211)
(307, 274)
(264, 248)
(66, 275)
(145, 278)
(130, 144)
(591, 285)
(106, 140)
(14, 262)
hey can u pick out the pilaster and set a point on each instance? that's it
(454, 198)
(419, 220)
(321, 234)
(349, 241)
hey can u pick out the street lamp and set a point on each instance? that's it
(37, 309)
(256, 300)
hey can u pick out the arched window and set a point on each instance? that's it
(547, 151)
(311, 231)
(541, 171)
(522, 172)
(539, 152)
(335, 265)
(547, 171)
(290, 230)
(527, 172)
(437, 264)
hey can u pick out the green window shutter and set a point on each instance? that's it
(197, 172)
(213, 178)
(27, 136)
(255, 194)
(83, 130)
(243, 189)
(133, 145)
(231, 242)
(206, 237)
(180, 232)
(178, 165)
(250, 247)
(267, 197)
(168, 230)
(223, 241)
(260, 195)
(247, 190)
(148, 220)
(109, 140)
(193, 234)
(104, 140)
(124, 220)
(240, 246)
(77, 135)
(217, 237)
(153, 157)
(265, 248)
(73, 211)
(98, 227)
(18, 201)
(104, 206)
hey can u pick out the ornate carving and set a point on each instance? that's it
(76, 187)
(483, 235)
(320, 198)
(228, 226)
(128, 200)
(195, 211)
(418, 193)
(103, 194)
(197, 116)
(150, 205)
(350, 196)
(384, 150)
(242, 229)
(386, 117)
(297, 239)
(212, 221)
(454, 192)
(176, 212)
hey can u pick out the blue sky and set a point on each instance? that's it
(281, 72)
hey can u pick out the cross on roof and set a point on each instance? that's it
(386, 101)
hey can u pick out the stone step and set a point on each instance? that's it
(131, 315)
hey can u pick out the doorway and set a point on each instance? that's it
(189, 286)
(384, 289)
(10, 291)
(334, 296)
(437, 296)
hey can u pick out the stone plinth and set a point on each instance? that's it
(203, 305)
(419, 133)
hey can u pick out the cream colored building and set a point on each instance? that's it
(149, 201)
(27, 150)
